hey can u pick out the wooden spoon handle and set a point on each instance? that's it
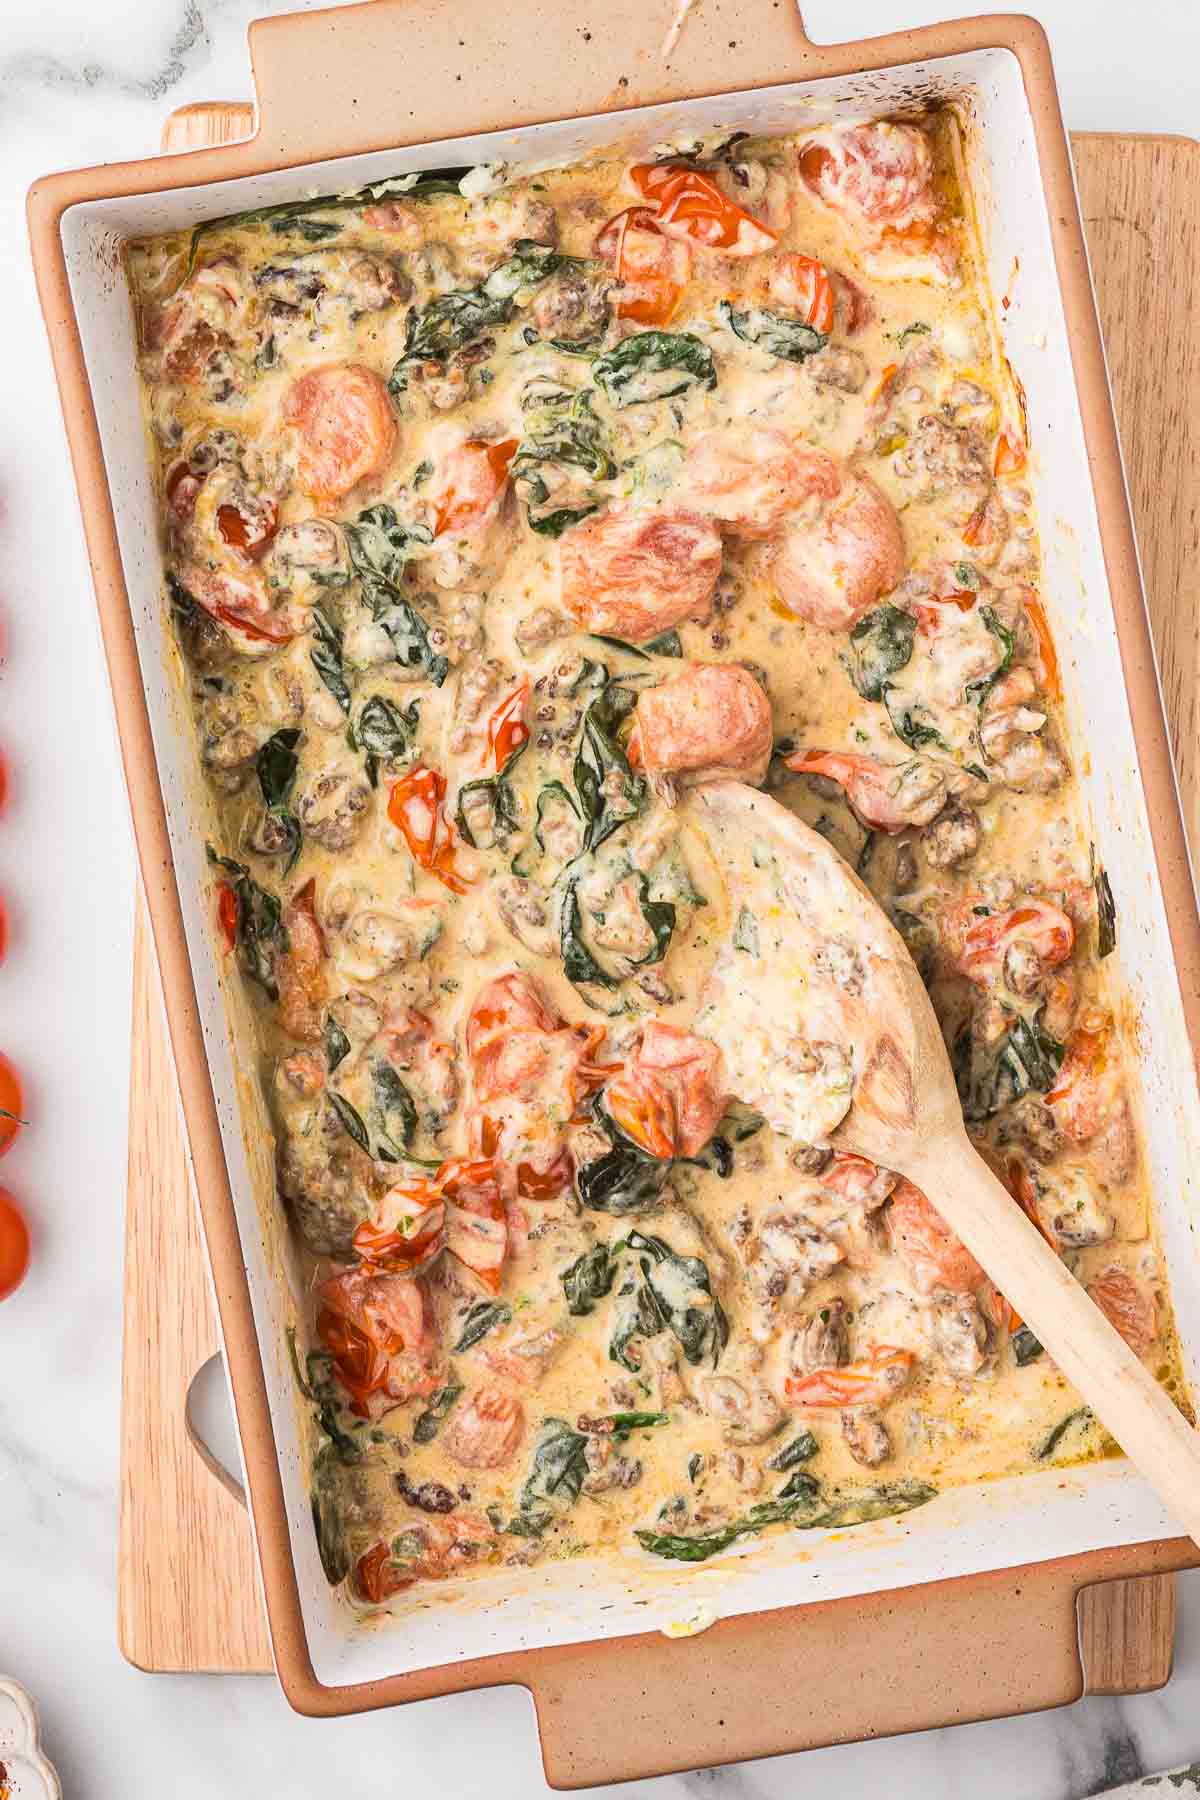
(1090, 1353)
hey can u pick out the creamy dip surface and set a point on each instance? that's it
(496, 512)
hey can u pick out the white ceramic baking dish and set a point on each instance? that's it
(997, 73)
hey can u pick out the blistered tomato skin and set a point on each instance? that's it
(14, 1245)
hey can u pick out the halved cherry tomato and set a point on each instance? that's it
(1039, 624)
(254, 628)
(475, 475)
(689, 205)
(228, 913)
(1011, 455)
(415, 809)
(377, 1577)
(250, 534)
(645, 1112)
(802, 284)
(10, 1104)
(814, 160)
(14, 1245)
(361, 1367)
(507, 731)
(872, 1382)
(984, 942)
(653, 270)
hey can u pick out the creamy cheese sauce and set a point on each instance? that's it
(491, 523)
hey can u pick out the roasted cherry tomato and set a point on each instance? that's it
(688, 205)
(473, 481)
(415, 809)
(652, 270)
(228, 913)
(10, 1104)
(14, 1245)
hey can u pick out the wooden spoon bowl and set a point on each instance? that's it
(826, 1028)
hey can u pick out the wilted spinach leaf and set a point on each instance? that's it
(380, 548)
(483, 1317)
(329, 1530)
(773, 332)
(337, 1044)
(653, 365)
(804, 1510)
(1079, 1420)
(796, 1451)
(275, 766)
(385, 731)
(557, 1473)
(626, 1179)
(979, 690)
(350, 1120)
(1026, 1347)
(427, 1424)
(994, 1076)
(563, 454)
(396, 1112)
(326, 656)
(1106, 913)
(880, 644)
(905, 715)
(610, 794)
(259, 925)
(435, 332)
(683, 1298)
(579, 965)
(588, 1279)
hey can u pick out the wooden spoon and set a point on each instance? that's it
(826, 1028)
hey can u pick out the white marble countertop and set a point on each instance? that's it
(80, 83)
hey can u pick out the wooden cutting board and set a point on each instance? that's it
(188, 1594)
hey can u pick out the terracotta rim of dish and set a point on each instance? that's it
(325, 89)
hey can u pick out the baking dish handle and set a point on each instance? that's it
(356, 78)
(796, 1678)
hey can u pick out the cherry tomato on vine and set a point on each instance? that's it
(14, 1245)
(10, 1104)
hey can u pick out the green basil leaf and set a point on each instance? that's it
(350, 1120)
(588, 1280)
(337, 1044)
(427, 1424)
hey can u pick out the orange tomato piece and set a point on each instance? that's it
(377, 1577)
(249, 533)
(1127, 1305)
(345, 427)
(415, 809)
(1088, 1079)
(802, 284)
(228, 913)
(873, 1381)
(672, 1095)
(471, 483)
(653, 270)
(689, 205)
(983, 942)
(1048, 671)
(1011, 455)
(923, 1241)
(507, 731)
